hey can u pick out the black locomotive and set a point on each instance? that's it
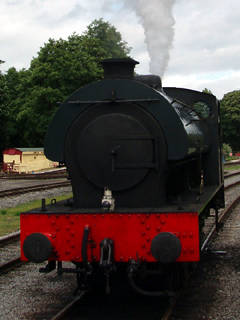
(145, 165)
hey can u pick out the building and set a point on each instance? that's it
(25, 160)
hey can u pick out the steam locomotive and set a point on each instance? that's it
(145, 164)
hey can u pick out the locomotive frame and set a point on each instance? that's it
(145, 165)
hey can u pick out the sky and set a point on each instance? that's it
(191, 44)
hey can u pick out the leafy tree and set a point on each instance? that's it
(110, 39)
(4, 112)
(230, 119)
(205, 90)
(61, 67)
(227, 149)
(17, 85)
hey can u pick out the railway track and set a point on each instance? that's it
(10, 238)
(40, 187)
(46, 186)
(231, 163)
(12, 263)
(66, 309)
(55, 174)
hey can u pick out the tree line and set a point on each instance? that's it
(29, 98)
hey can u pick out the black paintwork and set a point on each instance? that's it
(145, 143)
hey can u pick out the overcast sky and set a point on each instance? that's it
(205, 50)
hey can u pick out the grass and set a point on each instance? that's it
(233, 167)
(10, 217)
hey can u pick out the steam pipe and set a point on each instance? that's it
(163, 294)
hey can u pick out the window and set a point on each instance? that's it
(202, 109)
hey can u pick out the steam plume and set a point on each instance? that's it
(157, 20)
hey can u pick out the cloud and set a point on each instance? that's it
(204, 52)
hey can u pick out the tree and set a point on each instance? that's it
(230, 119)
(227, 150)
(205, 90)
(4, 112)
(61, 67)
(110, 39)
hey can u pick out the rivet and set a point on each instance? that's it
(77, 258)
(67, 228)
(157, 215)
(138, 216)
(111, 215)
(121, 258)
(58, 229)
(148, 227)
(192, 250)
(143, 221)
(72, 234)
(68, 239)
(143, 245)
(129, 216)
(185, 250)
(73, 245)
(148, 239)
(162, 221)
(67, 216)
(103, 215)
(158, 228)
(143, 258)
(190, 235)
(68, 251)
(72, 222)
(53, 222)
(147, 215)
(94, 216)
(149, 251)
(143, 233)
(57, 254)
(120, 216)
(184, 235)
(85, 216)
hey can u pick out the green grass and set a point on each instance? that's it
(10, 217)
(233, 167)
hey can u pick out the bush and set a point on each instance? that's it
(227, 149)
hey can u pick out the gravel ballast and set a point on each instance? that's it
(24, 292)
(213, 290)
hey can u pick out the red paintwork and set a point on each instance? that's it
(132, 233)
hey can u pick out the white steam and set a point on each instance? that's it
(157, 20)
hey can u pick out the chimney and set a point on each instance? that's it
(119, 68)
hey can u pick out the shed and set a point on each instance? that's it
(25, 160)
